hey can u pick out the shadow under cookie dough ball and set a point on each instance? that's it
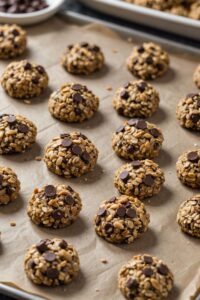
(145, 277)
(140, 178)
(13, 41)
(121, 219)
(148, 61)
(51, 262)
(82, 58)
(9, 185)
(137, 139)
(188, 111)
(136, 99)
(196, 77)
(73, 103)
(24, 80)
(188, 168)
(71, 155)
(54, 206)
(188, 216)
(17, 133)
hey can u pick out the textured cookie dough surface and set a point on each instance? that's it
(71, 155)
(148, 61)
(145, 277)
(180, 10)
(54, 206)
(121, 219)
(195, 10)
(82, 58)
(140, 178)
(12, 41)
(188, 168)
(73, 103)
(137, 139)
(9, 185)
(51, 262)
(188, 111)
(17, 133)
(23, 79)
(197, 76)
(188, 216)
(136, 99)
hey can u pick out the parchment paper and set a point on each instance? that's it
(164, 238)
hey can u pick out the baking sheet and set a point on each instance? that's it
(163, 238)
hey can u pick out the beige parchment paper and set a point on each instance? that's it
(164, 238)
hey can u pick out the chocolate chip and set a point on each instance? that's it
(131, 283)
(66, 142)
(142, 86)
(128, 204)
(35, 80)
(9, 190)
(1, 180)
(52, 273)
(40, 69)
(42, 246)
(23, 128)
(163, 269)
(49, 256)
(31, 264)
(141, 124)
(57, 214)
(95, 48)
(195, 118)
(140, 49)
(121, 211)
(149, 60)
(159, 66)
(112, 200)
(132, 122)
(27, 66)
(76, 150)
(193, 156)
(50, 191)
(124, 95)
(63, 244)
(131, 149)
(131, 213)
(148, 259)
(148, 180)
(191, 95)
(109, 228)
(148, 272)
(120, 129)
(198, 103)
(101, 212)
(124, 176)
(136, 163)
(64, 135)
(84, 44)
(126, 85)
(69, 200)
(77, 98)
(85, 157)
(11, 119)
(120, 111)
(76, 87)
(154, 132)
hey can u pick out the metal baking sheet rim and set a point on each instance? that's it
(9, 289)
(145, 16)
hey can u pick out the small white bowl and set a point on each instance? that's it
(35, 17)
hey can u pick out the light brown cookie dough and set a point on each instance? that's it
(188, 168)
(180, 10)
(51, 262)
(54, 206)
(17, 133)
(196, 77)
(137, 139)
(12, 41)
(73, 103)
(156, 4)
(140, 178)
(136, 99)
(148, 61)
(121, 219)
(9, 185)
(71, 155)
(188, 216)
(145, 277)
(23, 79)
(188, 111)
(82, 58)
(195, 10)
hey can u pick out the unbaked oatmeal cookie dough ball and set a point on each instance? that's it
(71, 155)
(140, 178)
(23, 79)
(188, 111)
(9, 185)
(136, 99)
(54, 206)
(51, 262)
(137, 139)
(73, 102)
(121, 219)
(13, 41)
(196, 77)
(17, 133)
(148, 61)
(195, 10)
(82, 58)
(188, 168)
(145, 277)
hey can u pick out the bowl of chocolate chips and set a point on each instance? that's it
(26, 12)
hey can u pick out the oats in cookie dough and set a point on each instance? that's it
(148, 61)
(82, 58)
(188, 216)
(155, 4)
(73, 103)
(51, 262)
(54, 206)
(17, 133)
(9, 185)
(140, 178)
(180, 10)
(121, 219)
(13, 41)
(188, 111)
(71, 155)
(136, 99)
(196, 77)
(195, 10)
(145, 277)
(23, 79)
(188, 168)
(137, 139)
